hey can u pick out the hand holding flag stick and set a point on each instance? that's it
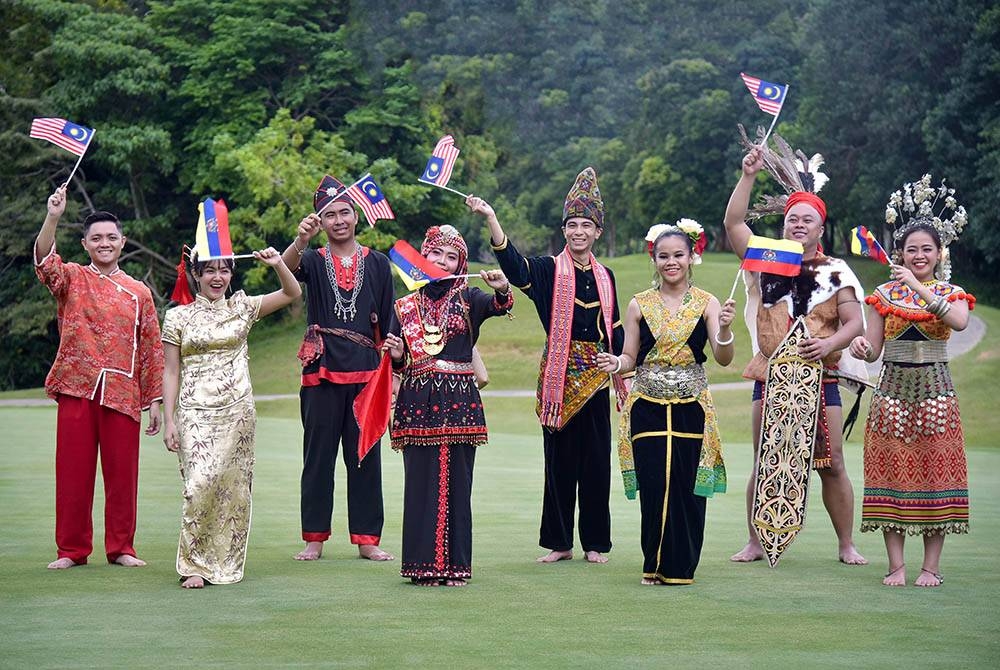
(440, 164)
(769, 97)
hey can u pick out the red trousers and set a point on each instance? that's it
(82, 425)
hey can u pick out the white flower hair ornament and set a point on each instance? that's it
(918, 203)
(689, 227)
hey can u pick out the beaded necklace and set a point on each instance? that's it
(346, 310)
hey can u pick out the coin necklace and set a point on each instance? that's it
(433, 334)
(346, 310)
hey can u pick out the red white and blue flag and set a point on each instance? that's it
(415, 270)
(70, 136)
(863, 243)
(779, 257)
(769, 97)
(367, 195)
(212, 237)
(441, 162)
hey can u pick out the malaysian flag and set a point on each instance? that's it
(66, 134)
(369, 197)
(441, 162)
(769, 96)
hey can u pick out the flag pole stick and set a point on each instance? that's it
(338, 194)
(80, 159)
(775, 119)
(735, 282)
(448, 188)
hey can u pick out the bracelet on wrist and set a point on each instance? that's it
(296, 247)
(618, 368)
(723, 343)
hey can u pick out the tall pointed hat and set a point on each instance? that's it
(584, 199)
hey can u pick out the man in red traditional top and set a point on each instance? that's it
(109, 368)
(349, 308)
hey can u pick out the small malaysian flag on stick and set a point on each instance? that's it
(440, 164)
(369, 197)
(70, 136)
(768, 96)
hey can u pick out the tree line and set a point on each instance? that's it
(254, 101)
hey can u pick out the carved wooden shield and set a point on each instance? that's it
(788, 431)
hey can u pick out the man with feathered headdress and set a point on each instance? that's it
(574, 296)
(827, 294)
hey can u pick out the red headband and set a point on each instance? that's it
(808, 198)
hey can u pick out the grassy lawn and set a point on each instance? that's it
(344, 612)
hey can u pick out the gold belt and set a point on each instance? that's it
(670, 381)
(916, 351)
(440, 365)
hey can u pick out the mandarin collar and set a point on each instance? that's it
(205, 302)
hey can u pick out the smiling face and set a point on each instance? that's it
(103, 242)
(339, 221)
(921, 254)
(445, 257)
(214, 279)
(580, 233)
(672, 258)
(803, 224)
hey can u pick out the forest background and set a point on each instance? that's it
(254, 101)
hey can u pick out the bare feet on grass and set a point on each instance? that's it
(850, 556)
(595, 557)
(129, 561)
(929, 578)
(373, 553)
(195, 582)
(748, 554)
(896, 577)
(555, 557)
(312, 552)
(61, 564)
(649, 581)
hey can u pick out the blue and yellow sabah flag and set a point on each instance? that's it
(212, 237)
(415, 270)
(778, 257)
(769, 97)
(863, 243)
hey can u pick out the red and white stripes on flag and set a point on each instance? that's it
(447, 153)
(769, 97)
(66, 134)
(369, 197)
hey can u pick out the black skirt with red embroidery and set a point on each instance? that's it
(438, 408)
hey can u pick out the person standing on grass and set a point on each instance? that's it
(109, 368)
(574, 296)
(828, 295)
(669, 443)
(916, 477)
(349, 306)
(439, 419)
(210, 417)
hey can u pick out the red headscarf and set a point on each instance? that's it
(441, 236)
(808, 198)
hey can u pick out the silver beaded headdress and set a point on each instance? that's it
(919, 202)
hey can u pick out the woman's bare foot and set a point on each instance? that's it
(748, 554)
(896, 577)
(312, 552)
(61, 564)
(649, 581)
(130, 561)
(195, 582)
(929, 578)
(373, 553)
(425, 581)
(555, 556)
(850, 556)
(595, 557)
(455, 582)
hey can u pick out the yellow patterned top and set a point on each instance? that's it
(212, 336)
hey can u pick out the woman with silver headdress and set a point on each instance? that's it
(438, 420)
(916, 480)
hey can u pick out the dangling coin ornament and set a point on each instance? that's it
(433, 337)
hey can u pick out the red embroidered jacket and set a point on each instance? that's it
(108, 332)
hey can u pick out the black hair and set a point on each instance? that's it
(198, 267)
(921, 227)
(674, 231)
(98, 217)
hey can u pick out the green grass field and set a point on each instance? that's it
(343, 612)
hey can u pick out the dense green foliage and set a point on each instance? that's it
(254, 101)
